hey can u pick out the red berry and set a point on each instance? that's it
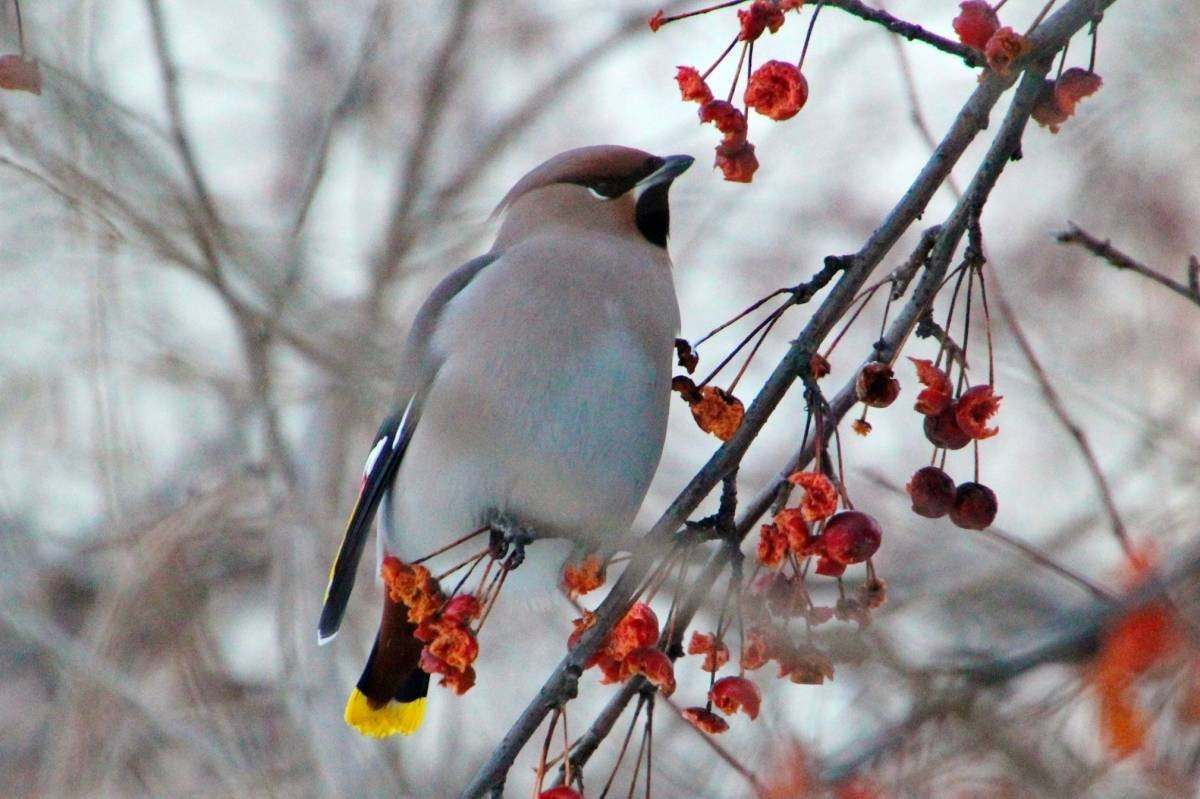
(976, 23)
(851, 537)
(931, 491)
(876, 386)
(943, 430)
(974, 506)
(830, 568)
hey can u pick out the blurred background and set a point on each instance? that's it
(190, 380)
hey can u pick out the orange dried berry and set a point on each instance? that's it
(973, 409)
(705, 720)
(938, 392)
(655, 22)
(686, 356)
(873, 592)
(755, 649)
(1003, 48)
(862, 427)
(777, 90)
(772, 545)
(725, 118)
(820, 497)
(1074, 85)
(716, 654)
(800, 539)
(975, 23)
(653, 664)
(18, 73)
(584, 576)
(637, 629)
(736, 161)
(851, 537)
(718, 412)
(876, 385)
(760, 16)
(731, 694)
(456, 647)
(692, 87)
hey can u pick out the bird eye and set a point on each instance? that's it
(606, 189)
(598, 194)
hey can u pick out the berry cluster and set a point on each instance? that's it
(776, 90)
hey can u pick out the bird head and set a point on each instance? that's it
(606, 187)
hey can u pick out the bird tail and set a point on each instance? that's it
(390, 696)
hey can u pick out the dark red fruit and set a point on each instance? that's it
(851, 537)
(976, 23)
(830, 568)
(931, 491)
(876, 386)
(974, 506)
(943, 430)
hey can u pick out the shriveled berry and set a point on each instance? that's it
(976, 23)
(942, 430)
(974, 506)
(830, 568)
(876, 385)
(851, 537)
(931, 491)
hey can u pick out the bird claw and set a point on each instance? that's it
(508, 534)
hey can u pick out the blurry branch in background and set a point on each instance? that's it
(1069, 640)
(1045, 40)
(1103, 249)
(1070, 425)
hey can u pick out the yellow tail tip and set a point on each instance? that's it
(395, 717)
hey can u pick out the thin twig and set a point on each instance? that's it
(1077, 235)
(1060, 411)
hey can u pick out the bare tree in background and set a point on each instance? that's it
(219, 220)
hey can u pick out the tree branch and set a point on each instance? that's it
(1077, 235)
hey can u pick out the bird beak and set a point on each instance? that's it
(673, 166)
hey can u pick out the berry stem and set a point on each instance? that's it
(1095, 29)
(737, 74)
(754, 307)
(1038, 19)
(987, 328)
(949, 318)
(775, 317)
(808, 34)
(541, 769)
(866, 298)
(1062, 61)
(769, 321)
(699, 11)
(720, 58)
(452, 545)
(20, 27)
(624, 745)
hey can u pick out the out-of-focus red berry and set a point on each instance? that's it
(716, 653)
(1073, 85)
(975, 23)
(777, 90)
(973, 409)
(830, 567)
(1004, 48)
(942, 430)
(876, 385)
(851, 537)
(562, 791)
(705, 720)
(731, 694)
(23, 74)
(974, 506)
(772, 545)
(931, 491)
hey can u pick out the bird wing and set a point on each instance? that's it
(419, 364)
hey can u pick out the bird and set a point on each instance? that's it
(534, 385)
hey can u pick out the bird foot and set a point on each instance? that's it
(509, 537)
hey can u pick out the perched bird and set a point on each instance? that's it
(534, 383)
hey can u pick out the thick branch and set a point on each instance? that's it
(909, 30)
